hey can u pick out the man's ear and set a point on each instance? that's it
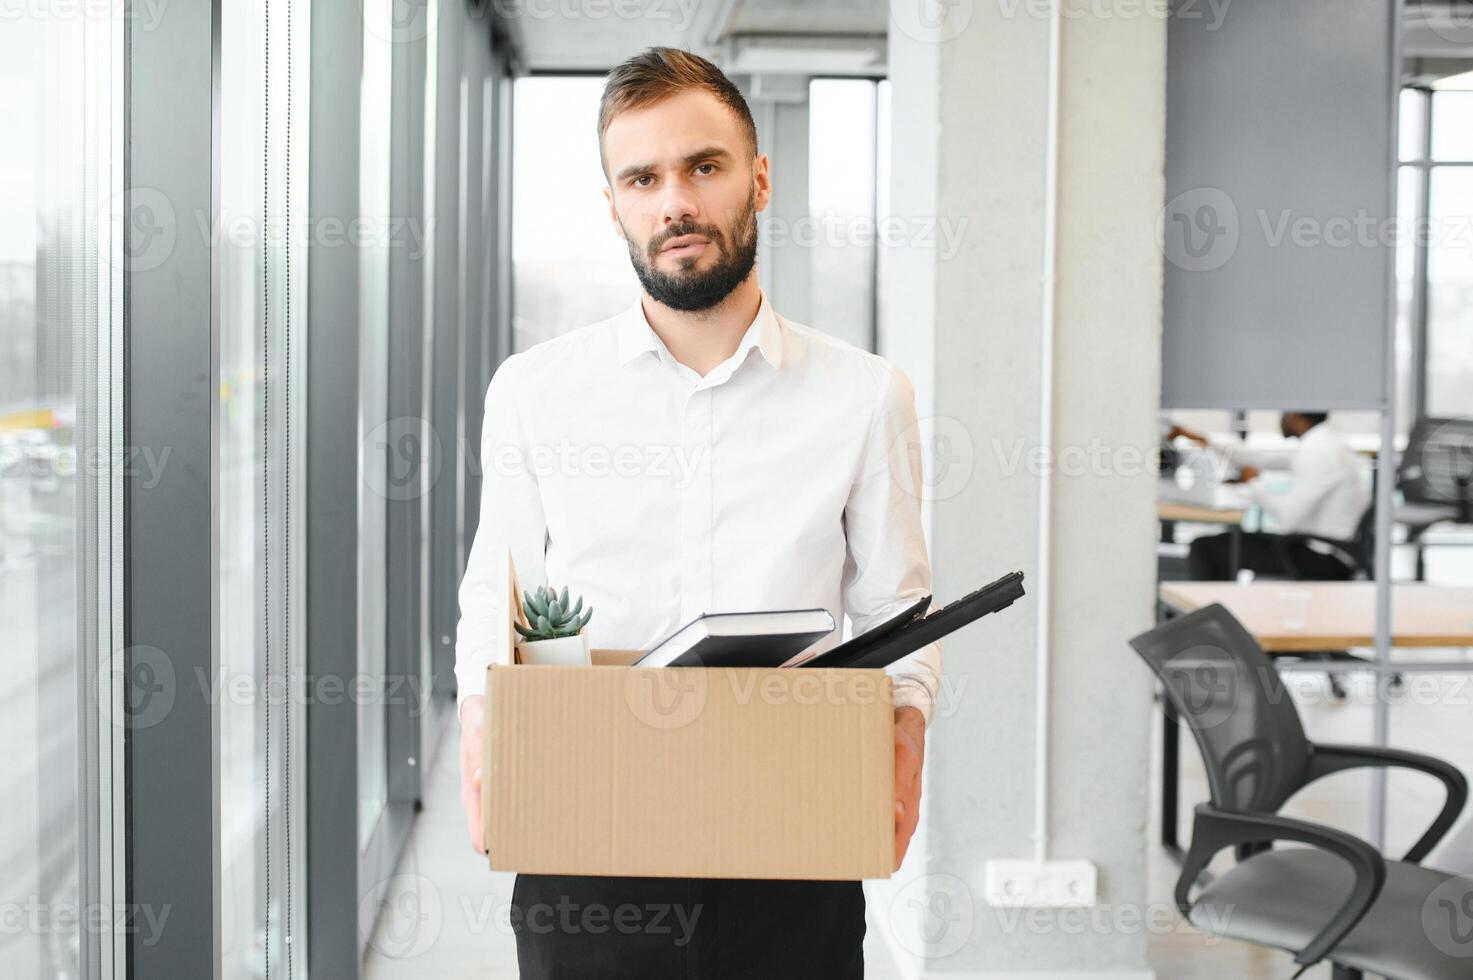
(761, 182)
(614, 214)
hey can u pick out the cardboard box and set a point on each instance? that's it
(716, 772)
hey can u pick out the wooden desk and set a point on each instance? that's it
(1337, 614)
(1167, 510)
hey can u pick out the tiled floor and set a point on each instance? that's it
(445, 914)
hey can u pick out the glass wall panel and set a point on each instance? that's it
(374, 164)
(59, 433)
(262, 303)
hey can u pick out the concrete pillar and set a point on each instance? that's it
(963, 319)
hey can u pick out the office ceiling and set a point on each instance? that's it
(591, 35)
(827, 36)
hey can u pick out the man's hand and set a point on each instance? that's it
(471, 713)
(910, 745)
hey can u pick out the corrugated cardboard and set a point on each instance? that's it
(723, 773)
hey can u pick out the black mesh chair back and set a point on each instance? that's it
(1437, 467)
(1220, 681)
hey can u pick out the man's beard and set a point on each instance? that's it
(692, 291)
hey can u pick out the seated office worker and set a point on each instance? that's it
(1326, 498)
(698, 452)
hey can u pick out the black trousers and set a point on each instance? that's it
(1208, 559)
(578, 926)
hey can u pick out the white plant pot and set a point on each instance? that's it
(564, 651)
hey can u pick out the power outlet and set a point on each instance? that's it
(1050, 884)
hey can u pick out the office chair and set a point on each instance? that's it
(1336, 899)
(1435, 477)
(1358, 555)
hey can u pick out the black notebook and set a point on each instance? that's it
(911, 630)
(743, 639)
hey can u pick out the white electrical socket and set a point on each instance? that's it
(1050, 884)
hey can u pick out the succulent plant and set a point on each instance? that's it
(551, 616)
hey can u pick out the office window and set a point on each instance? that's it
(569, 268)
(60, 438)
(1450, 256)
(843, 147)
(262, 189)
(375, 156)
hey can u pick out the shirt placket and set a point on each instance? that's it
(696, 505)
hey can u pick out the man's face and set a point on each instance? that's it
(684, 192)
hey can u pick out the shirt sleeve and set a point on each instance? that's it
(886, 567)
(511, 517)
(1313, 475)
(1239, 455)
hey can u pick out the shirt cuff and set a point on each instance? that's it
(916, 679)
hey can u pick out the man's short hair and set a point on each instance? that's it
(1313, 418)
(658, 73)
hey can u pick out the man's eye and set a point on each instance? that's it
(641, 180)
(705, 168)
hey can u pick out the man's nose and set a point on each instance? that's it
(678, 204)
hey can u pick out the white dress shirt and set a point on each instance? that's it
(1327, 494)
(789, 477)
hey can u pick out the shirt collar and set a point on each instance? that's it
(637, 337)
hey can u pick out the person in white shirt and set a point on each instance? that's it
(1327, 497)
(697, 452)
